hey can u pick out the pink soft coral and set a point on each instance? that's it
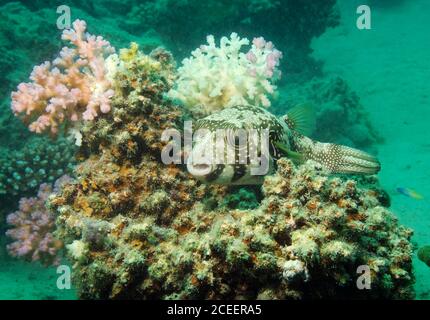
(72, 87)
(33, 226)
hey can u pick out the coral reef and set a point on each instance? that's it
(335, 103)
(28, 42)
(32, 228)
(242, 198)
(181, 33)
(137, 228)
(290, 23)
(134, 227)
(306, 240)
(74, 86)
(221, 77)
(41, 160)
(339, 225)
(33, 37)
(20, 50)
(140, 82)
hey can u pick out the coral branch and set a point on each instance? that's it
(33, 227)
(72, 87)
(218, 77)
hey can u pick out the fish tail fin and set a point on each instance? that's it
(338, 158)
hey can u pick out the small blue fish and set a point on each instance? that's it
(409, 193)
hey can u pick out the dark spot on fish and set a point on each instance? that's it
(239, 172)
(215, 174)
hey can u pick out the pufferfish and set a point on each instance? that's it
(286, 137)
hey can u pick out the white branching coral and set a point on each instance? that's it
(214, 77)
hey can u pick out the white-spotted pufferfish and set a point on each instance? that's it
(286, 138)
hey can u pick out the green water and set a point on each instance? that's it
(387, 67)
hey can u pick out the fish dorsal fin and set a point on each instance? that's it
(301, 119)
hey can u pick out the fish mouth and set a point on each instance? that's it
(199, 169)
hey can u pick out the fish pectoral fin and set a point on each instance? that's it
(294, 156)
(301, 119)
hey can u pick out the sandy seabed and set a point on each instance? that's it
(389, 67)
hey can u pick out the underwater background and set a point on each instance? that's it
(370, 87)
